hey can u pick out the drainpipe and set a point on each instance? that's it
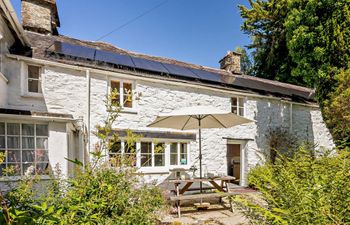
(290, 117)
(88, 110)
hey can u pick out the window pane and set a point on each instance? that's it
(241, 111)
(173, 148)
(146, 160)
(159, 148)
(13, 142)
(234, 110)
(146, 147)
(42, 156)
(183, 154)
(2, 156)
(130, 147)
(28, 169)
(14, 156)
(33, 86)
(116, 147)
(2, 167)
(241, 102)
(127, 87)
(41, 143)
(28, 156)
(33, 72)
(27, 143)
(159, 160)
(115, 89)
(43, 168)
(2, 142)
(28, 129)
(13, 129)
(173, 159)
(16, 167)
(2, 128)
(234, 101)
(42, 130)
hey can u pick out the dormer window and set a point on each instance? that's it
(34, 79)
(237, 106)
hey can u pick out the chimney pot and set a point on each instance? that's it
(231, 62)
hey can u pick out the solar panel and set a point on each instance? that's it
(208, 76)
(180, 71)
(74, 50)
(146, 64)
(114, 58)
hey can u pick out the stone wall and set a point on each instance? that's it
(65, 91)
(37, 16)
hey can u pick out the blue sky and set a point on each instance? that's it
(196, 31)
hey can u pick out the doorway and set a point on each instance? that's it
(234, 161)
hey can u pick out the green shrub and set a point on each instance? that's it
(300, 189)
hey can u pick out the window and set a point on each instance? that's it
(25, 148)
(34, 79)
(178, 154)
(130, 153)
(123, 93)
(237, 105)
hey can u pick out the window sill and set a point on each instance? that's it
(32, 95)
(18, 178)
(161, 169)
(128, 111)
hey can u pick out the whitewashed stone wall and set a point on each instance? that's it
(65, 91)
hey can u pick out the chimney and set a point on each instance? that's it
(40, 16)
(231, 62)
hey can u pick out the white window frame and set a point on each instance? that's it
(178, 154)
(238, 106)
(121, 93)
(25, 77)
(35, 123)
(167, 166)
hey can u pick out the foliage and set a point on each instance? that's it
(264, 22)
(97, 194)
(304, 42)
(279, 139)
(300, 189)
(337, 110)
(246, 63)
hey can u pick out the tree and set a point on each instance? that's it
(303, 42)
(246, 63)
(264, 23)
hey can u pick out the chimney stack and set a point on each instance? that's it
(40, 16)
(231, 62)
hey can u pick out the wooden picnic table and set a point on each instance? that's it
(223, 189)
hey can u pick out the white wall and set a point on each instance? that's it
(65, 91)
(3, 91)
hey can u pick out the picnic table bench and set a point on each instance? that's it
(222, 189)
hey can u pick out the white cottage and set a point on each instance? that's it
(52, 89)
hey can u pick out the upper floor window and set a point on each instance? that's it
(34, 79)
(123, 93)
(237, 106)
(23, 149)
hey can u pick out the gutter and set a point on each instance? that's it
(136, 76)
(13, 19)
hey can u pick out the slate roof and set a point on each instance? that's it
(41, 45)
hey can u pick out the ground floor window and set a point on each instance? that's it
(23, 149)
(178, 154)
(148, 154)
